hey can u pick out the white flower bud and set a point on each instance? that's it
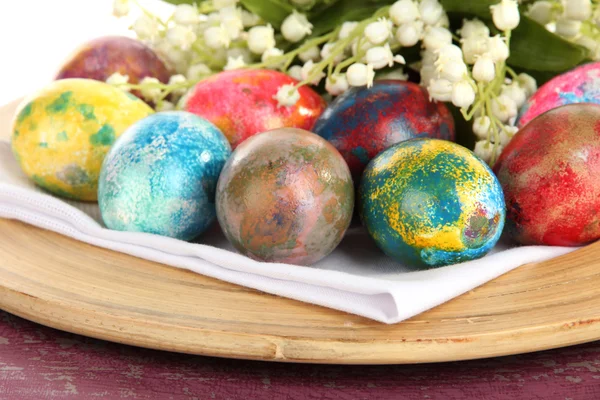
(181, 36)
(404, 11)
(234, 63)
(453, 70)
(336, 85)
(515, 92)
(473, 29)
(567, 28)
(151, 92)
(165, 105)
(271, 53)
(287, 95)
(364, 46)
(481, 127)
(145, 28)
(197, 71)
(185, 14)
(579, 10)
(448, 52)
(311, 54)
(408, 34)
(216, 37)
(484, 69)
(484, 150)
(295, 72)
(295, 27)
(176, 80)
(120, 8)
(261, 39)
(506, 134)
(504, 108)
(463, 94)
(359, 74)
(506, 15)
(231, 20)
(541, 12)
(431, 11)
(249, 19)
(528, 83)
(326, 52)
(116, 79)
(428, 73)
(307, 71)
(346, 29)
(443, 22)
(497, 49)
(429, 57)
(440, 89)
(436, 38)
(474, 47)
(378, 32)
(382, 56)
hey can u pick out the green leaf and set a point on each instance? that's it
(325, 19)
(480, 8)
(177, 2)
(271, 11)
(533, 47)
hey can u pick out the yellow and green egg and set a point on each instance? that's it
(61, 134)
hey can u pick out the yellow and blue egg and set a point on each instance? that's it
(429, 203)
(61, 134)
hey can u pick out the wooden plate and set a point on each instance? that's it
(72, 286)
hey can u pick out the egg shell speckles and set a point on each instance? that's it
(363, 122)
(550, 173)
(580, 85)
(285, 196)
(99, 58)
(241, 103)
(62, 134)
(430, 203)
(160, 177)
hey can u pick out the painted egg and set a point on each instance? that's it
(580, 85)
(241, 103)
(100, 58)
(363, 122)
(429, 203)
(62, 134)
(285, 196)
(160, 177)
(550, 175)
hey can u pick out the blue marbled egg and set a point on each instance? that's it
(161, 175)
(429, 203)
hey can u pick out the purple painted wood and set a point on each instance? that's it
(38, 363)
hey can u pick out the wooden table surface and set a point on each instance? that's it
(39, 363)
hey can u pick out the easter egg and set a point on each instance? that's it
(61, 135)
(100, 58)
(285, 196)
(580, 85)
(241, 103)
(550, 173)
(160, 176)
(363, 122)
(429, 203)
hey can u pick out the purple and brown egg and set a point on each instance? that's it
(363, 122)
(285, 196)
(98, 59)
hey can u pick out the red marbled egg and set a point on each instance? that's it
(100, 58)
(241, 103)
(550, 174)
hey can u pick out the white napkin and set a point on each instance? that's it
(356, 277)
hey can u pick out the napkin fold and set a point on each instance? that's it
(356, 278)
